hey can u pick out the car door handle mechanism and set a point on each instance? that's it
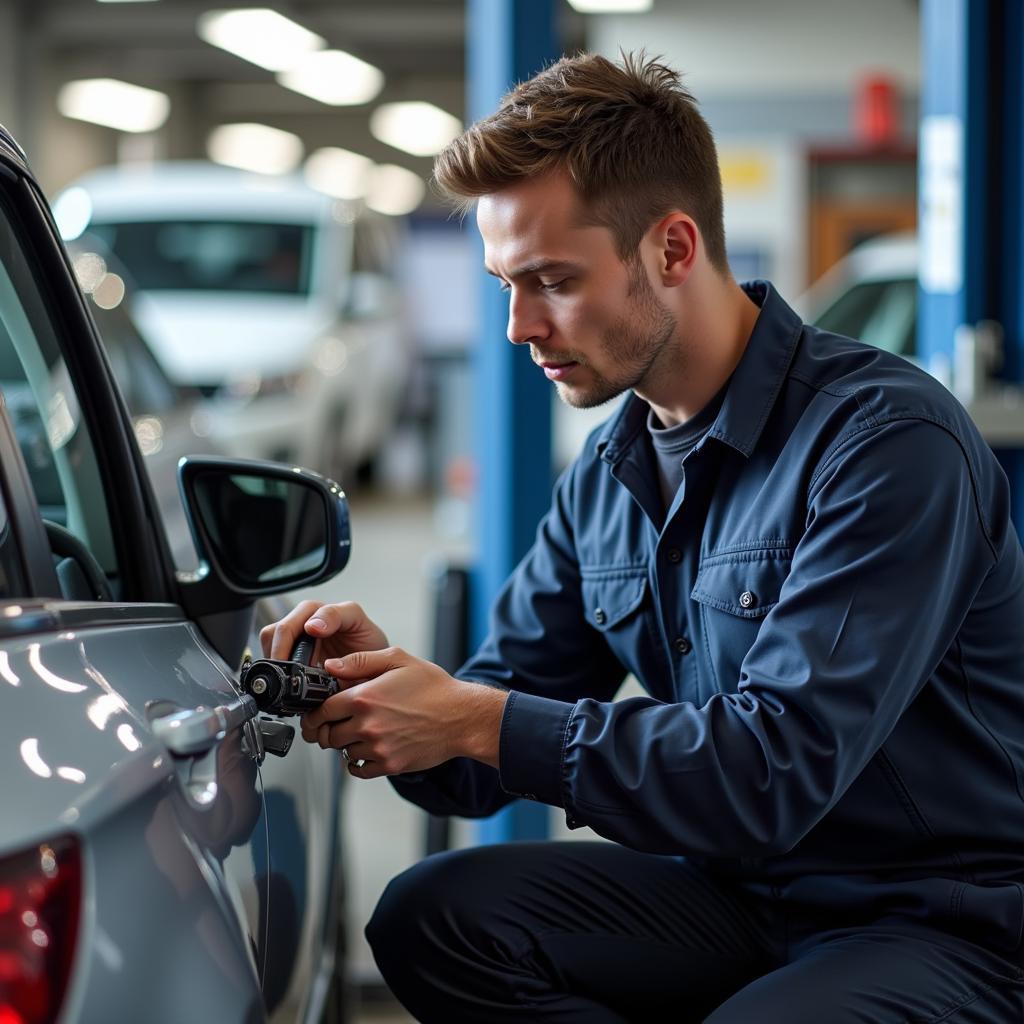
(277, 736)
(195, 731)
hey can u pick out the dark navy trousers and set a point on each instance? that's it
(591, 932)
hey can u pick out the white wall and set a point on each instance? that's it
(757, 47)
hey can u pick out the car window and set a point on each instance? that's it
(12, 581)
(44, 410)
(879, 313)
(145, 386)
(207, 255)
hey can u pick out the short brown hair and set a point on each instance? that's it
(629, 136)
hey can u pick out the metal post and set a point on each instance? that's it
(971, 160)
(507, 41)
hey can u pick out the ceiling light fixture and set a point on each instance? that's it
(338, 172)
(114, 104)
(259, 35)
(394, 190)
(416, 127)
(255, 147)
(334, 77)
(611, 6)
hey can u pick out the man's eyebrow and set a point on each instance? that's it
(537, 267)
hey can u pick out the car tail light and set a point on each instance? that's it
(40, 897)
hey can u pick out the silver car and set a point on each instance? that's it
(160, 858)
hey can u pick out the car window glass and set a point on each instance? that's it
(44, 410)
(12, 582)
(223, 256)
(145, 386)
(879, 313)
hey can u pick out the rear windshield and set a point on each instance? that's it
(233, 256)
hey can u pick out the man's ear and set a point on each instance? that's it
(678, 240)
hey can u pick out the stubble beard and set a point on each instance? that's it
(631, 346)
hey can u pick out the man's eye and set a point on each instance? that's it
(551, 286)
(505, 286)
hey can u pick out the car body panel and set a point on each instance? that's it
(186, 904)
(84, 759)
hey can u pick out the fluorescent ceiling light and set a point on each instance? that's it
(255, 147)
(121, 105)
(418, 128)
(394, 190)
(259, 35)
(611, 6)
(334, 77)
(338, 172)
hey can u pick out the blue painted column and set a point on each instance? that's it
(507, 41)
(971, 161)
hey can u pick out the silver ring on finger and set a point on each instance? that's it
(344, 755)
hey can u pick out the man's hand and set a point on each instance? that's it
(400, 714)
(340, 629)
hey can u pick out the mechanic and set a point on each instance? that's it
(802, 549)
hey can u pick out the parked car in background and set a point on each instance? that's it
(871, 295)
(270, 297)
(158, 862)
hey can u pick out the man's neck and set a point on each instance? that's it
(713, 338)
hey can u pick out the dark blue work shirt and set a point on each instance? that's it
(829, 623)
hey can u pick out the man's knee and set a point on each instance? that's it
(431, 901)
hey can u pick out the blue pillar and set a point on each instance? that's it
(971, 161)
(507, 41)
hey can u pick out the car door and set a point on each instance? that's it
(129, 746)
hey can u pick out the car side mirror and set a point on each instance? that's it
(260, 528)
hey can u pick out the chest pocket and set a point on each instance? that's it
(736, 590)
(614, 603)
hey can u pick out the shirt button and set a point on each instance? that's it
(674, 555)
(682, 645)
(599, 616)
(747, 599)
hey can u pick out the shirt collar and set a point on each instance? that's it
(752, 389)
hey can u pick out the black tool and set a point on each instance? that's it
(290, 687)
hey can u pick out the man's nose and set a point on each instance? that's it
(525, 322)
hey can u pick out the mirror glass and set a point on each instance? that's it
(263, 530)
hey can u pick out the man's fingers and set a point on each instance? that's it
(367, 770)
(334, 709)
(363, 665)
(278, 639)
(346, 619)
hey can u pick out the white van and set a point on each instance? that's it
(264, 293)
